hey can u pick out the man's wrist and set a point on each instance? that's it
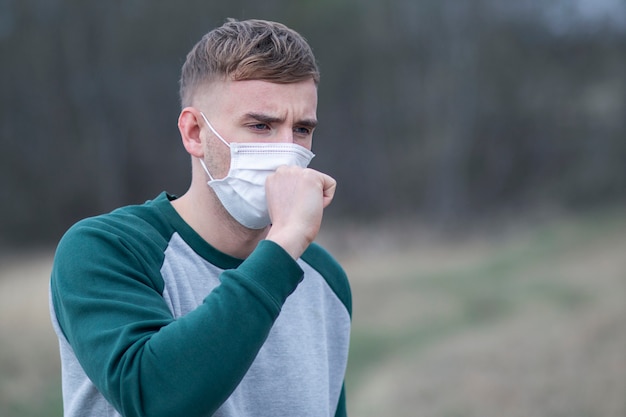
(293, 244)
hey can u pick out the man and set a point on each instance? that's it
(217, 302)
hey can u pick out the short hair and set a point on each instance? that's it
(247, 50)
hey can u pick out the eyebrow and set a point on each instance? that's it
(265, 118)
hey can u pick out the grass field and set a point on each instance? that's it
(517, 321)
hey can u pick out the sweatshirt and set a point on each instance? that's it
(154, 321)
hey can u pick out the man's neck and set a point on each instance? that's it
(206, 215)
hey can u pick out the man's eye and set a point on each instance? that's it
(302, 131)
(259, 126)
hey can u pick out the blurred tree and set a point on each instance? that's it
(435, 109)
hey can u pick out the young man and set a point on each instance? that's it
(217, 302)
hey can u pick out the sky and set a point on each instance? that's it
(567, 15)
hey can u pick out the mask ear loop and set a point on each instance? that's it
(205, 169)
(219, 137)
(213, 130)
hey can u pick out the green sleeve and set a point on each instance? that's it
(341, 406)
(108, 302)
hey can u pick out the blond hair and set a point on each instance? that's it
(247, 50)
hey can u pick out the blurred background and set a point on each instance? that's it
(480, 151)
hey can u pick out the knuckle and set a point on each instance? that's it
(310, 173)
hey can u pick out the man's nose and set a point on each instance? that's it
(285, 135)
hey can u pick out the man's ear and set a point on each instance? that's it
(189, 127)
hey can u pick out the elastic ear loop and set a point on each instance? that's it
(205, 169)
(213, 130)
(219, 137)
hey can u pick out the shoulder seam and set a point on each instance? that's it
(334, 275)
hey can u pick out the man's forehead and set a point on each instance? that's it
(256, 96)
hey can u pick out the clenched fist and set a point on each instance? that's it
(296, 198)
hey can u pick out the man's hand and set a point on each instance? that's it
(296, 198)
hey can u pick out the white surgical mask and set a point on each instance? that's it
(242, 191)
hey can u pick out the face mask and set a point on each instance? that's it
(242, 191)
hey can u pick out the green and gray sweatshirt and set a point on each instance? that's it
(153, 321)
